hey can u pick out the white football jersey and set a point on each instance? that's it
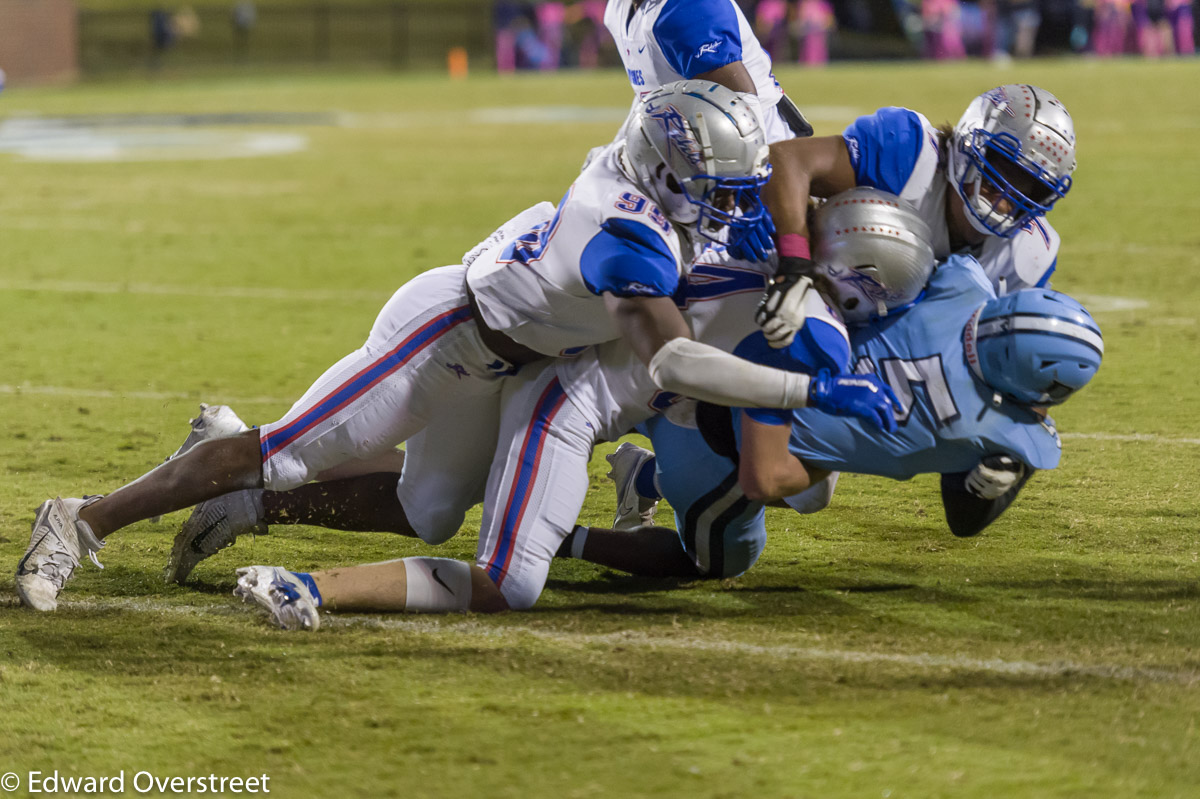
(544, 288)
(898, 150)
(668, 40)
(612, 387)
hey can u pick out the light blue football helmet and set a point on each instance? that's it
(1035, 346)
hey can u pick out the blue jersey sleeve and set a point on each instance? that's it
(629, 259)
(806, 354)
(824, 347)
(884, 147)
(698, 36)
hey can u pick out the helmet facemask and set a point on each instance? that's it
(1011, 158)
(700, 153)
(1002, 187)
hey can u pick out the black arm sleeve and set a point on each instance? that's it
(966, 513)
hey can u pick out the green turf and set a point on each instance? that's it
(868, 654)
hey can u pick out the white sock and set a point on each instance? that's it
(437, 585)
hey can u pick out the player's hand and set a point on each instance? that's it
(994, 476)
(781, 313)
(756, 243)
(864, 396)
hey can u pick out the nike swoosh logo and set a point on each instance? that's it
(198, 541)
(441, 582)
(21, 566)
(641, 49)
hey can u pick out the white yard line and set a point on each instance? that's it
(1136, 438)
(688, 643)
(156, 396)
(153, 289)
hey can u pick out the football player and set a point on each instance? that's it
(983, 187)
(661, 41)
(974, 374)
(605, 266)
(538, 479)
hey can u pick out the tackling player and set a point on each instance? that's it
(538, 479)
(983, 187)
(606, 266)
(974, 374)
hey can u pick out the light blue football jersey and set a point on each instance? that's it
(948, 420)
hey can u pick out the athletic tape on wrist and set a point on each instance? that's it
(793, 245)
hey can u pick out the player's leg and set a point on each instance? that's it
(536, 486)
(535, 490)
(423, 491)
(446, 467)
(720, 533)
(367, 403)
(444, 473)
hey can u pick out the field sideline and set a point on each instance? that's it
(868, 654)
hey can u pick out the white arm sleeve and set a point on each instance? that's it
(706, 373)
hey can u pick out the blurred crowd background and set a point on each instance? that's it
(553, 35)
(56, 39)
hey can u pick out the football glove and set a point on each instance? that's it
(864, 396)
(756, 243)
(781, 313)
(994, 476)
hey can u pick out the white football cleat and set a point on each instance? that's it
(282, 594)
(56, 545)
(214, 421)
(214, 525)
(633, 510)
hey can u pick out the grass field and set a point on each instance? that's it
(868, 654)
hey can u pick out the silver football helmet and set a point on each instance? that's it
(700, 153)
(874, 252)
(1011, 157)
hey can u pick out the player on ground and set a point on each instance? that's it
(538, 479)
(606, 266)
(974, 374)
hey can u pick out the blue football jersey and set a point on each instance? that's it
(948, 420)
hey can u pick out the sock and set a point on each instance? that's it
(311, 584)
(645, 482)
(575, 539)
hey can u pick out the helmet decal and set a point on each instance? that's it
(678, 132)
(998, 97)
(699, 152)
